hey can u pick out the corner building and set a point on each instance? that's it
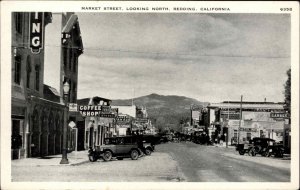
(37, 108)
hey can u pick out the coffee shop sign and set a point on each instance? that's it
(97, 111)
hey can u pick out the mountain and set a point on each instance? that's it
(164, 111)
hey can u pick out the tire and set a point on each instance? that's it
(241, 152)
(134, 154)
(266, 154)
(148, 151)
(92, 157)
(252, 152)
(107, 155)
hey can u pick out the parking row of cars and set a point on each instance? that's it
(263, 146)
(122, 147)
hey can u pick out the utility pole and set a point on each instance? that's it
(240, 119)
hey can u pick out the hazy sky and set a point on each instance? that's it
(209, 57)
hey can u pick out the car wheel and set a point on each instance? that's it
(134, 154)
(252, 152)
(241, 152)
(148, 151)
(107, 156)
(92, 158)
(266, 154)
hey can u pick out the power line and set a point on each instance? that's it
(182, 53)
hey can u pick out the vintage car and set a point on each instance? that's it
(118, 147)
(263, 146)
(266, 147)
(148, 143)
(243, 148)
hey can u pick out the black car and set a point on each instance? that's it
(118, 147)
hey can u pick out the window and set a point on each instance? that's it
(235, 133)
(248, 136)
(37, 77)
(17, 135)
(17, 76)
(19, 22)
(28, 71)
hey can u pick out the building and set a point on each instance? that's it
(93, 129)
(232, 121)
(36, 121)
(71, 49)
(37, 109)
(142, 124)
(124, 121)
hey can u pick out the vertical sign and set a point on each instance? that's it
(36, 26)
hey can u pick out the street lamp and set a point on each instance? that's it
(66, 89)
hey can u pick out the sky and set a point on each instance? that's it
(209, 57)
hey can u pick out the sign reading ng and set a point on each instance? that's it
(36, 26)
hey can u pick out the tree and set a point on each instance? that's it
(287, 92)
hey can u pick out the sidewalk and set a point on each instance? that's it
(75, 158)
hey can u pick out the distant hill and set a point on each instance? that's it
(164, 111)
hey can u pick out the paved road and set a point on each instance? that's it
(218, 164)
(171, 162)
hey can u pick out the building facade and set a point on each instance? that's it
(35, 120)
(95, 128)
(71, 49)
(235, 122)
(36, 108)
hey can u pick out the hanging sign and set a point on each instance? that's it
(36, 27)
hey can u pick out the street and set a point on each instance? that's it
(218, 164)
(171, 162)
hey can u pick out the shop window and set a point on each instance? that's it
(17, 133)
(235, 134)
(37, 77)
(17, 73)
(261, 133)
(248, 136)
(19, 22)
(28, 71)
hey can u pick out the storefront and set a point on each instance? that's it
(234, 123)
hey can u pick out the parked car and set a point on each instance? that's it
(118, 147)
(266, 147)
(263, 146)
(149, 142)
(243, 148)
